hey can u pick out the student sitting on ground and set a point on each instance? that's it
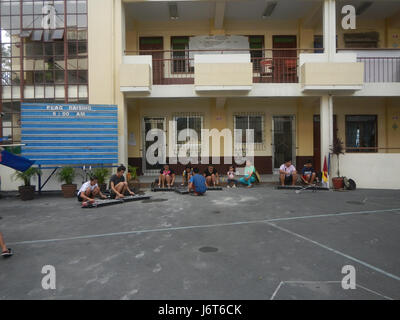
(212, 176)
(197, 183)
(287, 173)
(166, 175)
(118, 186)
(5, 252)
(89, 190)
(308, 174)
(232, 182)
(186, 175)
(249, 175)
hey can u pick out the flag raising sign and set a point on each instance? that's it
(60, 134)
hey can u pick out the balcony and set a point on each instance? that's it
(212, 68)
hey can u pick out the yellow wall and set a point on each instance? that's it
(220, 115)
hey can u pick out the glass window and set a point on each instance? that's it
(361, 133)
(189, 122)
(250, 122)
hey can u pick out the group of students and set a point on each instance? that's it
(288, 173)
(198, 183)
(118, 187)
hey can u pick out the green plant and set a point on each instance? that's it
(26, 176)
(133, 171)
(338, 149)
(101, 174)
(67, 175)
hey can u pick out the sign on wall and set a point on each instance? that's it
(60, 134)
(218, 45)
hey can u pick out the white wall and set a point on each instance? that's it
(370, 170)
(8, 184)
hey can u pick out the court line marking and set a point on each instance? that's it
(365, 264)
(305, 282)
(204, 226)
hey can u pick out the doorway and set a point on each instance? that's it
(285, 60)
(154, 46)
(149, 124)
(283, 140)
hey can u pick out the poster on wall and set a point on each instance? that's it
(218, 45)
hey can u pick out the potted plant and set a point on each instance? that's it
(132, 179)
(338, 149)
(67, 175)
(26, 192)
(101, 174)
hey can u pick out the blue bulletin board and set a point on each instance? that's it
(68, 134)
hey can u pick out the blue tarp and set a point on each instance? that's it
(16, 162)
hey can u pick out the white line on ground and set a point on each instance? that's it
(308, 282)
(204, 226)
(365, 264)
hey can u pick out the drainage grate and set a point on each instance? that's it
(208, 249)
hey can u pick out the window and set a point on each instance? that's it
(254, 122)
(361, 40)
(180, 55)
(361, 133)
(256, 44)
(189, 122)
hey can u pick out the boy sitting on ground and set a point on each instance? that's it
(89, 190)
(308, 174)
(287, 173)
(186, 175)
(118, 185)
(197, 183)
(166, 175)
(212, 176)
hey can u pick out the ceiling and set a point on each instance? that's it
(250, 9)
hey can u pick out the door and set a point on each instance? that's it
(317, 140)
(284, 61)
(154, 46)
(283, 140)
(148, 124)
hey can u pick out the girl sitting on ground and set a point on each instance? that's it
(232, 182)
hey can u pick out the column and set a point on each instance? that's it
(329, 28)
(326, 123)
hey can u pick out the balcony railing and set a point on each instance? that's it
(380, 65)
(269, 65)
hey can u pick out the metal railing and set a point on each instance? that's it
(269, 65)
(380, 64)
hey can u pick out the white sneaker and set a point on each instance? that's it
(228, 187)
(234, 186)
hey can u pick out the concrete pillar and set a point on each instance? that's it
(326, 123)
(119, 98)
(329, 28)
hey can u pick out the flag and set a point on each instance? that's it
(16, 162)
(325, 172)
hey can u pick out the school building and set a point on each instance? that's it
(297, 72)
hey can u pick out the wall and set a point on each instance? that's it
(219, 113)
(371, 171)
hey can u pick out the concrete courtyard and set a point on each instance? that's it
(260, 243)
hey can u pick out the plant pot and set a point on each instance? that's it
(26, 192)
(69, 190)
(338, 183)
